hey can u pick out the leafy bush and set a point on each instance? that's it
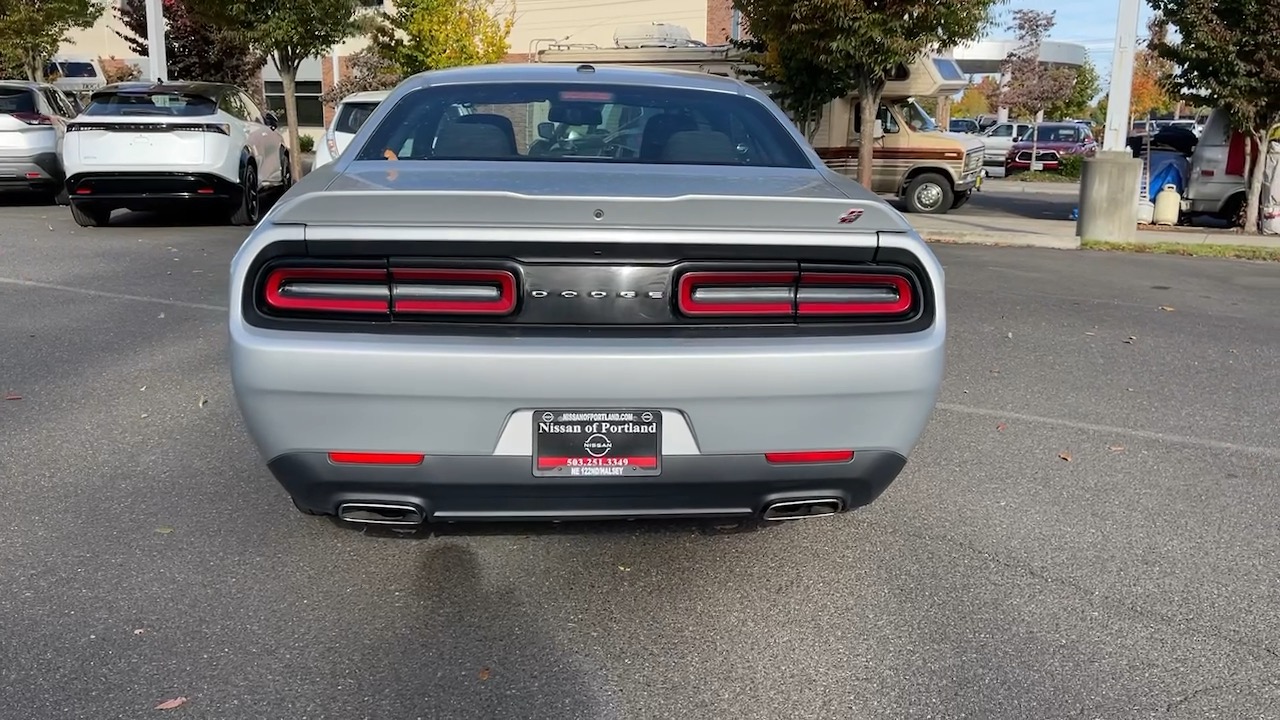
(306, 143)
(1072, 166)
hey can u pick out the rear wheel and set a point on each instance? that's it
(250, 199)
(929, 193)
(90, 215)
(1233, 210)
(60, 196)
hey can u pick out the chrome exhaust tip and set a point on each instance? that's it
(801, 509)
(398, 514)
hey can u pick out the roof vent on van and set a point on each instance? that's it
(654, 35)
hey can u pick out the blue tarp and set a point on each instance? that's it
(1167, 168)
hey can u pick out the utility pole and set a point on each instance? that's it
(1110, 181)
(157, 61)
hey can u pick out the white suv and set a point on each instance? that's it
(347, 119)
(148, 146)
(33, 118)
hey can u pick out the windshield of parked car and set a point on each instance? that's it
(17, 100)
(150, 103)
(559, 122)
(916, 117)
(352, 115)
(1054, 133)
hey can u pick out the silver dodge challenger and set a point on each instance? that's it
(558, 292)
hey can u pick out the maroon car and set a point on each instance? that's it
(1053, 141)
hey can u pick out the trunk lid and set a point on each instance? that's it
(140, 139)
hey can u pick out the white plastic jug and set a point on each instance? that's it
(1167, 207)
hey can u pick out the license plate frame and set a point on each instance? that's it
(584, 443)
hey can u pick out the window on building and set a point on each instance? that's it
(310, 109)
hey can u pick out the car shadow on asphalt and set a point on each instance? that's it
(708, 527)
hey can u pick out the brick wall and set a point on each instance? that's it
(719, 21)
(327, 80)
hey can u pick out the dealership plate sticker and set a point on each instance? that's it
(597, 443)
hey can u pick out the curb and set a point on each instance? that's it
(1011, 187)
(1002, 239)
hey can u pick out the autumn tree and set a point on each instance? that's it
(1152, 73)
(422, 35)
(977, 99)
(1078, 101)
(31, 31)
(814, 51)
(195, 49)
(288, 32)
(1222, 59)
(1032, 87)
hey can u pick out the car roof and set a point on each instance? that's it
(570, 72)
(28, 84)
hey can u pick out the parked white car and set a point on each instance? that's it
(33, 120)
(148, 146)
(999, 140)
(347, 119)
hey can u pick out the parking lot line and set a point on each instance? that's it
(112, 295)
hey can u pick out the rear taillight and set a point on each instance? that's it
(796, 295)
(331, 141)
(328, 290)
(452, 291)
(408, 292)
(32, 118)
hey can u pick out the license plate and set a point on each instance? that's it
(1037, 165)
(597, 443)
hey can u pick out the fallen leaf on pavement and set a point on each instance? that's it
(1166, 308)
(624, 568)
(1000, 426)
(1116, 448)
(12, 396)
(139, 631)
(203, 401)
(484, 673)
(1065, 456)
(164, 530)
(1010, 336)
(1089, 333)
(171, 704)
(1130, 339)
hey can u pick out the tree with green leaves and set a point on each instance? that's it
(813, 51)
(1222, 59)
(1076, 103)
(32, 30)
(422, 35)
(195, 48)
(288, 32)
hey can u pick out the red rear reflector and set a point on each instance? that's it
(205, 191)
(336, 290)
(453, 291)
(83, 191)
(376, 458)
(765, 293)
(33, 176)
(809, 456)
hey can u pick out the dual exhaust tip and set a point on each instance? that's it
(406, 515)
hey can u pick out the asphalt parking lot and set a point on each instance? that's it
(1087, 530)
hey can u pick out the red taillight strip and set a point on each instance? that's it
(375, 458)
(852, 294)
(809, 456)
(453, 291)
(340, 290)
(737, 293)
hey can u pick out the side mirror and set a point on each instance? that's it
(546, 130)
(272, 120)
(878, 131)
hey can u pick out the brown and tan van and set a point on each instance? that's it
(931, 170)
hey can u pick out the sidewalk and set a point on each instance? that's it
(1061, 234)
(998, 186)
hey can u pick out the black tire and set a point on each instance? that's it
(961, 199)
(286, 171)
(1233, 210)
(61, 196)
(929, 194)
(90, 215)
(250, 207)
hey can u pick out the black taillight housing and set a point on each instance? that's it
(303, 291)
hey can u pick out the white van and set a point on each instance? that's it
(1216, 183)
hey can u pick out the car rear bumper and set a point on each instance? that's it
(139, 190)
(39, 171)
(489, 488)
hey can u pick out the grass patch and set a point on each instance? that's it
(1235, 252)
(1044, 177)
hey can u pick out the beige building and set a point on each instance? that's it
(538, 23)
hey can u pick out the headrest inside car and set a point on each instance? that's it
(576, 114)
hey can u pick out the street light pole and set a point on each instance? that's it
(157, 61)
(1120, 94)
(1110, 182)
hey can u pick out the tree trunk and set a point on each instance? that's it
(1253, 197)
(31, 64)
(288, 78)
(868, 104)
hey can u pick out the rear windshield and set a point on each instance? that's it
(71, 70)
(148, 103)
(352, 115)
(557, 122)
(17, 100)
(1054, 133)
